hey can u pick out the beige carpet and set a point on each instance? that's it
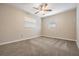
(40, 46)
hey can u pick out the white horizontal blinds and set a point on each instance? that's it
(29, 22)
(52, 24)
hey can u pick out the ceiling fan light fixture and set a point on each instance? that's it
(42, 8)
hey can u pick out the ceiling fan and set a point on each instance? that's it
(42, 8)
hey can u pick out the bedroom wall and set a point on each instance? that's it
(64, 27)
(77, 25)
(12, 24)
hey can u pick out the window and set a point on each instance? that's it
(52, 24)
(29, 22)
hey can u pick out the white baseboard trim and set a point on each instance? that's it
(60, 38)
(18, 40)
(33, 37)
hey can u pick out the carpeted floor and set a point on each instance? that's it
(40, 46)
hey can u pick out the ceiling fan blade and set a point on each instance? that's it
(37, 12)
(35, 8)
(43, 14)
(48, 10)
(45, 5)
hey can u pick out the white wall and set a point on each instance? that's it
(65, 25)
(12, 24)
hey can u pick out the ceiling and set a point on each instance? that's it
(56, 8)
